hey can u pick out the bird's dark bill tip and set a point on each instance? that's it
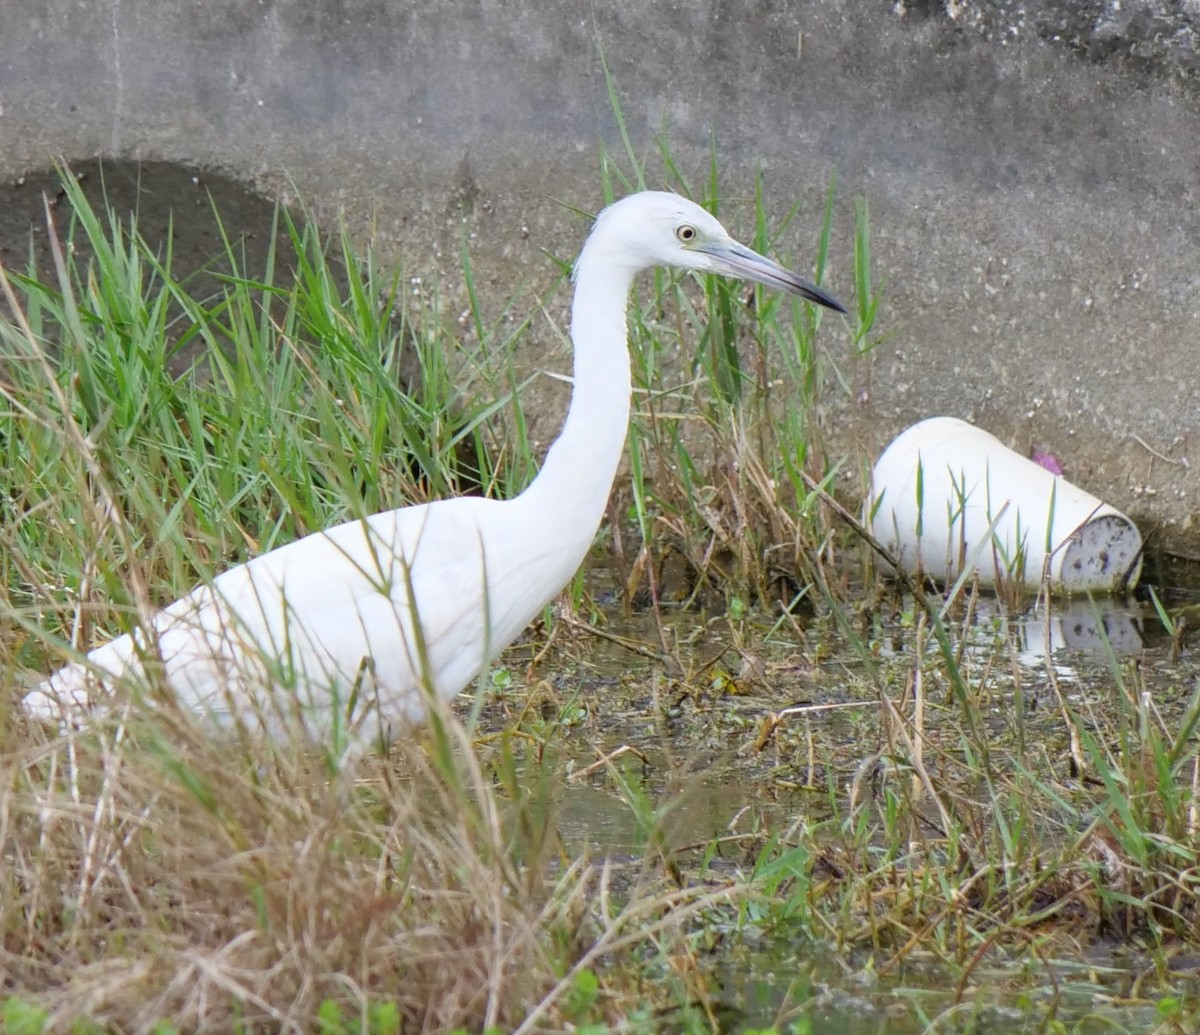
(815, 294)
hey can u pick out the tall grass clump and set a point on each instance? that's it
(728, 452)
(308, 395)
(155, 872)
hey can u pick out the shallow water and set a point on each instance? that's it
(780, 985)
(691, 730)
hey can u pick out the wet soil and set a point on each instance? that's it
(169, 202)
(692, 718)
(741, 745)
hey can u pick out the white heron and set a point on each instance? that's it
(355, 627)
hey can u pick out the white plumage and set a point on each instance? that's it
(381, 612)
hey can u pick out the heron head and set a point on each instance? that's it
(656, 228)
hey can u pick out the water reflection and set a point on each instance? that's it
(1100, 628)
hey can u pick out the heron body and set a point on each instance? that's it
(358, 625)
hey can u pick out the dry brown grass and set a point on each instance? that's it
(153, 870)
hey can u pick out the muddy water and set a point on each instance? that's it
(691, 727)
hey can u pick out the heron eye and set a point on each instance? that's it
(686, 233)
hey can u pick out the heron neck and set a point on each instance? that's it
(576, 478)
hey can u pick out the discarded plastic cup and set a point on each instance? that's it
(947, 496)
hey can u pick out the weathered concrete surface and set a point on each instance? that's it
(1155, 36)
(1032, 191)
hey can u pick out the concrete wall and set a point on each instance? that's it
(1032, 194)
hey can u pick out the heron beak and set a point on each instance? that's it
(736, 260)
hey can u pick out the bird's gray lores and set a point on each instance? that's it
(417, 601)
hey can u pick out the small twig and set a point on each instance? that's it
(634, 646)
(805, 709)
(604, 760)
(773, 720)
(545, 647)
(857, 527)
(1181, 462)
